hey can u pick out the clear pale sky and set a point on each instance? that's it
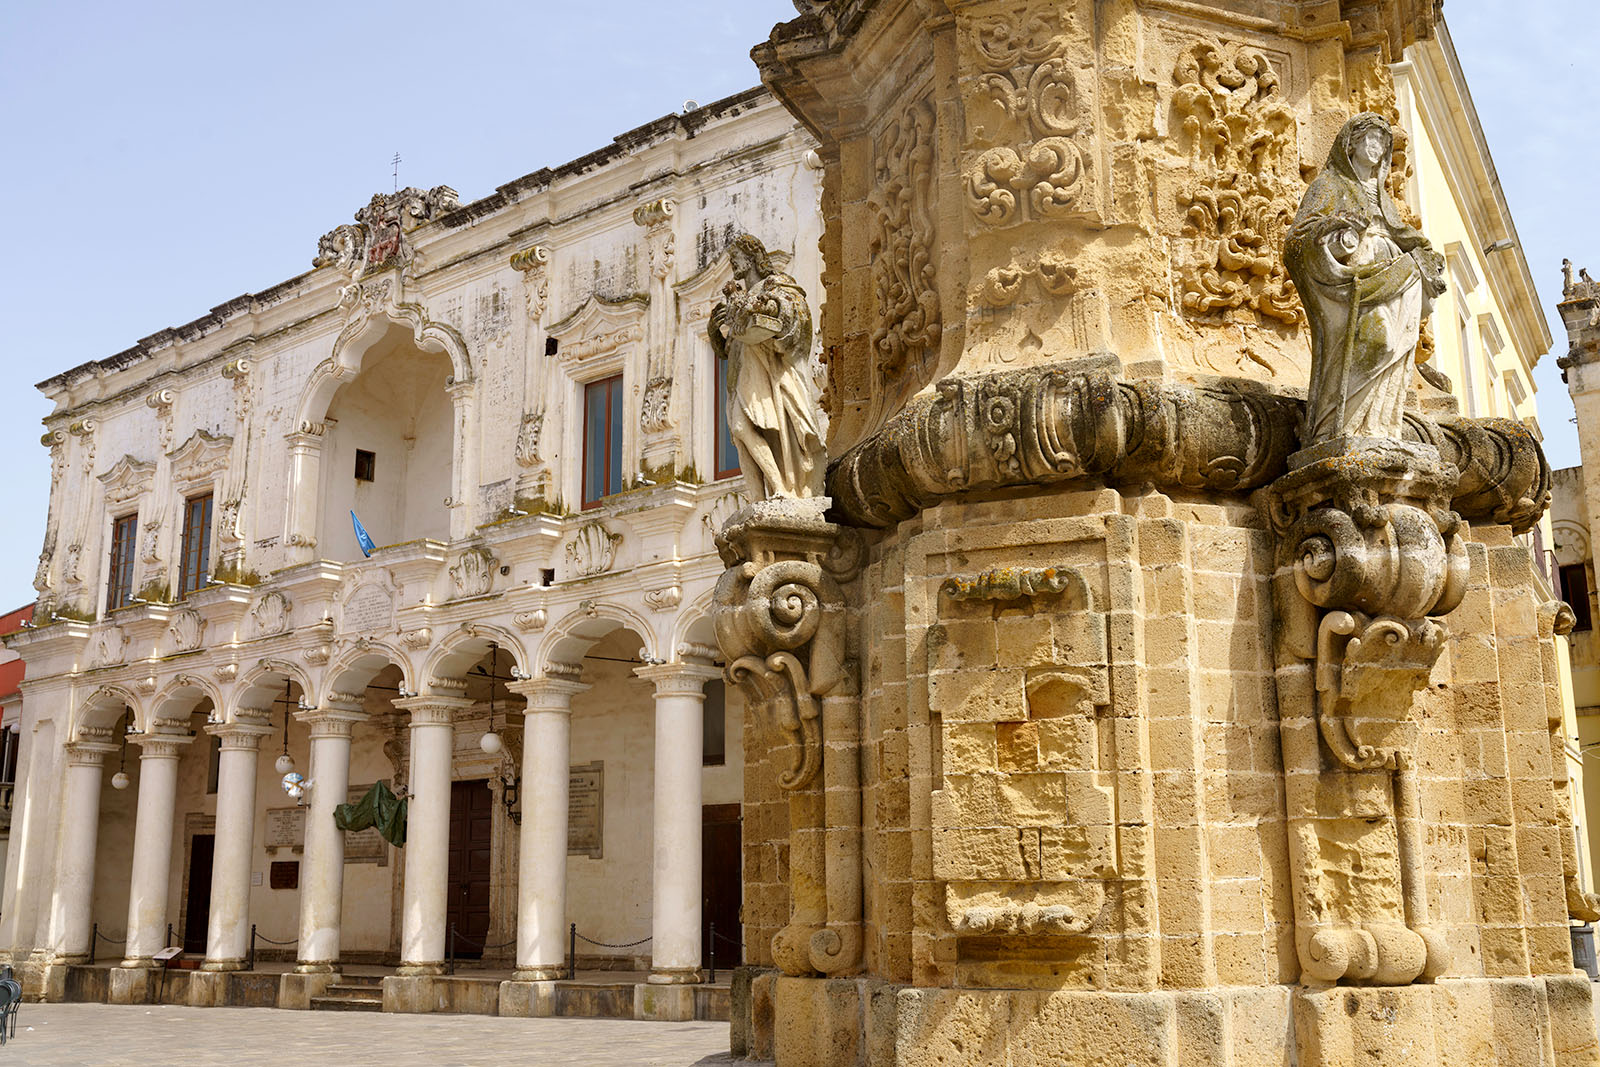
(162, 158)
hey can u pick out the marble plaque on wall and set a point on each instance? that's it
(369, 608)
(286, 828)
(586, 809)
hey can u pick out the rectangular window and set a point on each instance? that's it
(196, 561)
(119, 586)
(727, 459)
(1575, 591)
(366, 465)
(602, 439)
(714, 745)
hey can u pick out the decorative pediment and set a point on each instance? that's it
(201, 456)
(380, 236)
(600, 326)
(126, 479)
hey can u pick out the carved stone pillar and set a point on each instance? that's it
(533, 264)
(152, 847)
(464, 459)
(80, 825)
(675, 886)
(305, 492)
(322, 870)
(422, 947)
(780, 619)
(228, 930)
(542, 855)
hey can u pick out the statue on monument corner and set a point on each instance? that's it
(1367, 280)
(763, 329)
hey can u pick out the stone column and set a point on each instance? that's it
(228, 934)
(305, 496)
(322, 869)
(152, 847)
(675, 889)
(427, 833)
(542, 857)
(463, 473)
(80, 825)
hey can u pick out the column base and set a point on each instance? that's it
(130, 985)
(527, 999)
(224, 965)
(317, 967)
(540, 974)
(419, 970)
(140, 963)
(674, 976)
(69, 959)
(296, 990)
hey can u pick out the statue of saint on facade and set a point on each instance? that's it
(763, 329)
(1366, 280)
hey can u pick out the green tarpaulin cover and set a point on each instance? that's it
(379, 808)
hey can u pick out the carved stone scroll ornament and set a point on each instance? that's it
(1369, 554)
(903, 242)
(1050, 425)
(779, 614)
(527, 448)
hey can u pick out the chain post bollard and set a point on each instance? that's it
(450, 951)
(252, 946)
(94, 941)
(711, 950)
(572, 952)
(168, 942)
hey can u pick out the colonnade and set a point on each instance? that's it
(542, 882)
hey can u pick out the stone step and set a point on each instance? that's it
(346, 1003)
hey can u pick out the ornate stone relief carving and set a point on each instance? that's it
(271, 614)
(1007, 583)
(660, 243)
(379, 237)
(655, 414)
(110, 646)
(187, 629)
(903, 243)
(1241, 187)
(779, 614)
(531, 620)
(473, 573)
(1024, 101)
(317, 655)
(200, 457)
(417, 639)
(664, 599)
(533, 263)
(592, 550)
(527, 449)
(127, 480)
(721, 510)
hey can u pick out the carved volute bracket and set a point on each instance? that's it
(779, 612)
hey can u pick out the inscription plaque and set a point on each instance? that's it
(364, 846)
(369, 608)
(586, 809)
(286, 828)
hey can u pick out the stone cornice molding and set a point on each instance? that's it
(679, 679)
(1054, 424)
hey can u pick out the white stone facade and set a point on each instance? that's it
(453, 343)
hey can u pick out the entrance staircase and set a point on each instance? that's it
(352, 992)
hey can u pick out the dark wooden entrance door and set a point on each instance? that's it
(720, 875)
(197, 909)
(471, 815)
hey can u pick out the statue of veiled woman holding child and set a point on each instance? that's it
(1366, 280)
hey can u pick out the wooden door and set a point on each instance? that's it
(471, 816)
(197, 909)
(720, 873)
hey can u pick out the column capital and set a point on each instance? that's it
(88, 753)
(431, 710)
(161, 745)
(245, 731)
(547, 693)
(330, 721)
(679, 679)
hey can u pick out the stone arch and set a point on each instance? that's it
(102, 709)
(179, 698)
(365, 328)
(570, 638)
(693, 626)
(262, 684)
(359, 664)
(456, 654)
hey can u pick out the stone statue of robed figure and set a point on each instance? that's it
(763, 329)
(1366, 280)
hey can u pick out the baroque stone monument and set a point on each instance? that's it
(1163, 683)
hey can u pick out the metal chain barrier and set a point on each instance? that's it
(254, 937)
(96, 936)
(713, 939)
(572, 948)
(450, 948)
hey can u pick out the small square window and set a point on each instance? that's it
(551, 346)
(366, 465)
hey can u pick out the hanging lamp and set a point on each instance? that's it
(285, 762)
(120, 779)
(492, 742)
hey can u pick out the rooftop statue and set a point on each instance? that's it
(1366, 280)
(763, 329)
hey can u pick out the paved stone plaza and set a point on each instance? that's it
(84, 1034)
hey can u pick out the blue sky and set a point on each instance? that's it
(163, 158)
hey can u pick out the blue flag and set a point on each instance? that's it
(363, 538)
